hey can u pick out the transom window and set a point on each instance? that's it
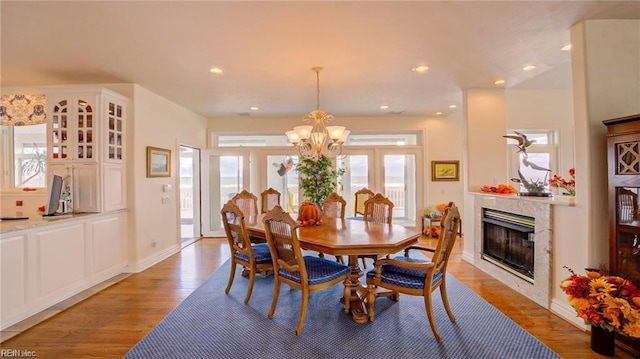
(399, 139)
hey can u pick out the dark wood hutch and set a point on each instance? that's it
(623, 143)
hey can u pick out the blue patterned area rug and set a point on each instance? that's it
(211, 324)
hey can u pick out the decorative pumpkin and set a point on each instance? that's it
(309, 213)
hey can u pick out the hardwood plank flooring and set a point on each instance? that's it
(109, 323)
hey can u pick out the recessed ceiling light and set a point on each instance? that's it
(384, 107)
(499, 82)
(452, 106)
(420, 69)
(529, 67)
(439, 113)
(254, 108)
(216, 71)
(566, 47)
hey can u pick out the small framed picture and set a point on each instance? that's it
(158, 162)
(445, 170)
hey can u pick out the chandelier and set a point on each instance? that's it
(318, 139)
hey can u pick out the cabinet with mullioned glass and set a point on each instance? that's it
(623, 142)
(86, 145)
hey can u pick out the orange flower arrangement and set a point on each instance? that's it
(501, 188)
(608, 302)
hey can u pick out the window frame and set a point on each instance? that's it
(550, 148)
(8, 162)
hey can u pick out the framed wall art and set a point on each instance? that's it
(445, 170)
(158, 162)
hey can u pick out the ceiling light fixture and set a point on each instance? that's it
(439, 113)
(499, 82)
(317, 139)
(452, 106)
(216, 71)
(529, 67)
(566, 47)
(384, 107)
(254, 108)
(420, 69)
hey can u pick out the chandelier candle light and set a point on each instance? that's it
(318, 139)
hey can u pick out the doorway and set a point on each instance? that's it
(190, 227)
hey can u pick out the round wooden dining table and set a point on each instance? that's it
(345, 237)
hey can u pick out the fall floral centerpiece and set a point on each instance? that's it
(608, 302)
(501, 188)
(569, 186)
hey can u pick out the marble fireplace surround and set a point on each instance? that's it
(541, 211)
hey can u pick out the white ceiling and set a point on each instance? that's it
(267, 49)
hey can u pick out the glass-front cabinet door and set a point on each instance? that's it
(72, 129)
(627, 260)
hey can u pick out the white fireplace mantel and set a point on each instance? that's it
(541, 209)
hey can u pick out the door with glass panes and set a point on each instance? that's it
(224, 173)
(390, 171)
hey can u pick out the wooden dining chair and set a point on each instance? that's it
(307, 273)
(377, 209)
(256, 258)
(413, 276)
(360, 197)
(268, 199)
(247, 201)
(334, 206)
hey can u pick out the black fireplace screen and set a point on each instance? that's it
(508, 241)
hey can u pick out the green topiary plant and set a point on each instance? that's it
(319, 178)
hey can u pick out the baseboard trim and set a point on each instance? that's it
(153, 260)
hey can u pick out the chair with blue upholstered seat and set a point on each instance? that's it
(377, 209)
(254, 258)
(248, 203)
(307, 273)
(419, 277)
(334, 206)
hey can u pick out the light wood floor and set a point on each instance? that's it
(109, 323)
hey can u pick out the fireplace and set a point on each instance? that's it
(508, 242)
(517, 249)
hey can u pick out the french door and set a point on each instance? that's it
(394, 172)
(224, 173)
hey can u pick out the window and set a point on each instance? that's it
(542, 153)
(24, 156)
(397, 139)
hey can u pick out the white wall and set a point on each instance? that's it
(546, 102)
(157, 122)
(486, 160)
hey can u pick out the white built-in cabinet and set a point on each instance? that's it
(50, 261)
(86, 145)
